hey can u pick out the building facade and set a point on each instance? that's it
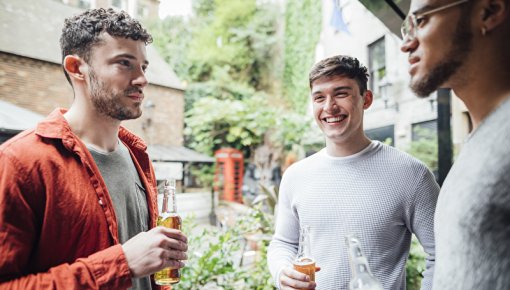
(350, 28)
(31, 78)
(141, 9)
(31, 75)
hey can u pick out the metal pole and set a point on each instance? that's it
(444, 135)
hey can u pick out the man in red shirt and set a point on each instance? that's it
(66, 222)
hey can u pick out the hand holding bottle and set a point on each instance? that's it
(169, 218)
(291, 279)
(151, 251)
(302, 275)
(160, 250)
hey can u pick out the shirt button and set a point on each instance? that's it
(100, 201)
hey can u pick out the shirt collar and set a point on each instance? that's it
(55, 126)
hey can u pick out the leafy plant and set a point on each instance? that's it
(214, 256)
(242, 124)
(425, 148)
(302, 29)
(210, 258)
(204, 174)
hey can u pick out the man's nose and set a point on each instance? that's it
(330, 104)
(409, 44)
(140, 80)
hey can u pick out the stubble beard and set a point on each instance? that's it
(454, 59)
(108, 103)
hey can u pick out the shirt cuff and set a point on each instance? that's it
(110, 268)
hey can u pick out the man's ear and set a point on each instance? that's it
(73, 65)
(368, 97)
(495, 12)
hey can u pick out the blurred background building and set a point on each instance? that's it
(349, 27)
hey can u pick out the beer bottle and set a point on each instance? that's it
(304, 261)
(169, 218)
(362, 278)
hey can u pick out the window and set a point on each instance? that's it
(377, 66)
(424, 130)
(384, 134)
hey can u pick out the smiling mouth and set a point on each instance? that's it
(336, 119)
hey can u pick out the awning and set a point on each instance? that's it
(168, 153)
(14, 119)
(391, 13)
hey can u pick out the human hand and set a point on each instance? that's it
(291, 279)
(154, 250)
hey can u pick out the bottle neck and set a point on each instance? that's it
(359, 267)
(169, 198)
(304, 249)
(358, 261)
(362, 277)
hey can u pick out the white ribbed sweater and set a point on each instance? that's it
(381, 194)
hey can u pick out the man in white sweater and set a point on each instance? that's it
(353, 186)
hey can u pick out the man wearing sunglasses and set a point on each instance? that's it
(465, 45)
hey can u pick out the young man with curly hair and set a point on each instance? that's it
(78, 192)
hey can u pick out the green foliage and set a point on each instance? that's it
(236, 36)
(172, 37)
(270, 196)
(425, 149)
(218, 89)
(210, 258)
(302, 29)
(204, 174)
(229, 52)
(213, 123)
(214, 256)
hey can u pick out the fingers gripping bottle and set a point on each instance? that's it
(304, 261)
(362, 278)
(169, 218)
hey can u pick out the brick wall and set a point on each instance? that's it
(41, 87)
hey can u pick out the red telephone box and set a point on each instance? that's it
(228, 176)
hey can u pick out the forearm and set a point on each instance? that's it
(279, 255)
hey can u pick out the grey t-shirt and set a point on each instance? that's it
(472, 220)
(127, 194)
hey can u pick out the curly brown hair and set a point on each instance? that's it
(340, 65)
(83, 31)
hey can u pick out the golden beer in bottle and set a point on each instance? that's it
(304, 261)
(169, 218)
